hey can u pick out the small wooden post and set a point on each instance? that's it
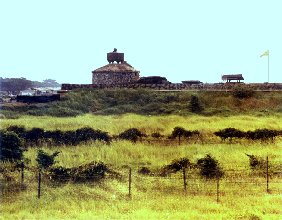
(217, 189)
(22, 173)
(39, 184)
(184, 179)
(267, 176)
(129, 183)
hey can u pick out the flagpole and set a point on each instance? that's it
(268, 67)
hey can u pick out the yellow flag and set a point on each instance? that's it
(266, 53)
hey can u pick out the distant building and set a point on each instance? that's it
(115, 73)
(235, 77)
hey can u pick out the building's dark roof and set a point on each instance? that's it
(115, 68)
(233, 77)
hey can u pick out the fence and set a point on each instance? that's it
(187, 181)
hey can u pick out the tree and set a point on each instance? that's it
(11, 147)
(15, 85)
(132, 134)
(209, 167)
(195, 105)
(46, 160)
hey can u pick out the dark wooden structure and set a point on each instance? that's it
(115, 57)
(235, 77)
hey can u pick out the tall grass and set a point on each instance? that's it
(114, 124)
(152, 198)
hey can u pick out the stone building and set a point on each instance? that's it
(115, 73)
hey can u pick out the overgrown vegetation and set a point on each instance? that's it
(37, 136)
(242, 92)
(210, 167)
(46, 160)
(93, 171)
(258, 134)
(132, 134)
(194, 105)
(149, 102)
(11, 146)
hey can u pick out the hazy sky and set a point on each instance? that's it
(179, 39)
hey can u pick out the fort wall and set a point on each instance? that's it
(179, 86)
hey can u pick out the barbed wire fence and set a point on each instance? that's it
(188, 182)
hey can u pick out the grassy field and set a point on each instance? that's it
(242, 194)
(115, 124)
(149, 102)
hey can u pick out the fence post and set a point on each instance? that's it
(217, 189)
(184, 179)
(39, 184)
(129, 183)
(267, 176)
(22, 173)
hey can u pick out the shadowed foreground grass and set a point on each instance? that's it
(152, 197)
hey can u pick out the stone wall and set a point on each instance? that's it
(114, 78)
(179, 86)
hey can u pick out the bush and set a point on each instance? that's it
(156, 135)
(46, 160)
(11, 147)
(19, 130)
(209, 167)
(181, 132)
(242, 92)
(262, 134)
(144, 171)
(175, 166)
(86, 134)
(132, 134)
(57, 136)
(229, 133)
(194, 105)
(90, 172)
(256, 163)
(34, 135)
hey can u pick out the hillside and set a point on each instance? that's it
(150, 102)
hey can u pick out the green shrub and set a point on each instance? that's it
(242, 92)
(181, 132)
(144, 171)
(34, 135)
(230, 133)
(19, 130)
(87, 134)
(93, 171)
(256, 163)
(194, 105)
(11, 146)
(262, 134)
(46, 160)
(132, 134)
(156, 135)
(209, 167)
(175, 166)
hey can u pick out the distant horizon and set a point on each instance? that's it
(180, 40)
